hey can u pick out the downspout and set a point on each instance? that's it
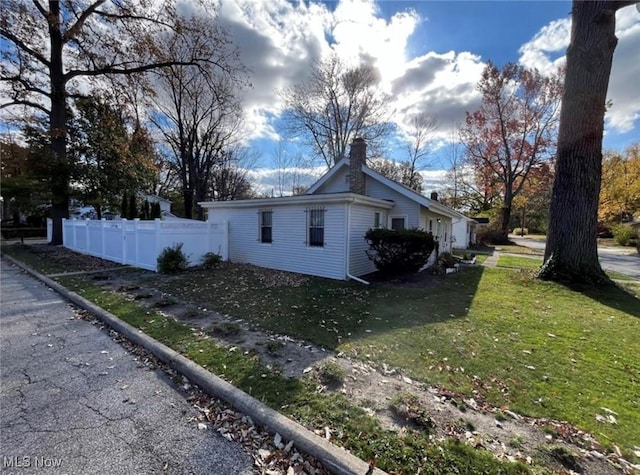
(347, 233)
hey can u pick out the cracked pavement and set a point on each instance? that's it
(73, 401)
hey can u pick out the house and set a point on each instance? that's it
(322, 232)
(464, 232)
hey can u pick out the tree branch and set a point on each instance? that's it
(77, 26)
(25, 103)
(22, 46)
(40, 8)
(138, 69)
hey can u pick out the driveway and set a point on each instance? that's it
(617, 260)
(73, 401)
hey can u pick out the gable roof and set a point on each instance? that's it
(327, 176)
(394, 185)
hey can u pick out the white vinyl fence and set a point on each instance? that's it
(139, 243)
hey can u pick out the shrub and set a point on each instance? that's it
(331, 373)
(518, 231)
(622, 234)
(638, 246)
(211, 260)
(397, 252)
(445, 261)
(172, 260)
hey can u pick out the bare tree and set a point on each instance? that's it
(229, 177)
(513, 130)
(289, 167)
(50, 46)
(571, 253)
(420, 135)
(197, 111)
(400, 172)
(336, 105)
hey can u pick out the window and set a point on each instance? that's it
(431, 225)
(398, 224)
(376, 220)
(266, 226)
(315, 218)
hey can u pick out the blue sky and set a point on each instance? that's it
(429, 53)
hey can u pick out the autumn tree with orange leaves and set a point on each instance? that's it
(514, 130)
(620, 188)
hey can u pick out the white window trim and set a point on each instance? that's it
(260, 211)
(380, 220)
(308, 227)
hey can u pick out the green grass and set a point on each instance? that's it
(484, 330)
(407, 452)
(515, 249)
(515, 262)
(533, 263)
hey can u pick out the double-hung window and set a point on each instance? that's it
(315, 220)
(376, 220)
(266, 226)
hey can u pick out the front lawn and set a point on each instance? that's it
(537, 348)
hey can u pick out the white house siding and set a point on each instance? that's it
(338, 183)
(361, 219)
(403, 205)
(440, 230)
(462, 234)
(288, 251)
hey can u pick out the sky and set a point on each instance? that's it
(429, 54)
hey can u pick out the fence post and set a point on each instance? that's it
(86, 233)
(136, 222)
(124, 240)
(64, 231)
(225, 240)
(103, 244)
(157, 236)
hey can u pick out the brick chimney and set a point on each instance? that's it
(357, 158)
(434, 196)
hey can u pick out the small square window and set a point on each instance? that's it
(398, 224)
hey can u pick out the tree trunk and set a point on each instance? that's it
(571, 253)
(58, 128)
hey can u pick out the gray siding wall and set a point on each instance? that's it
(362, 219)
(403, 205)
(288, 251)
(336, 184)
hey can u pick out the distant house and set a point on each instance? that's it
(464, 232)
(322, 232)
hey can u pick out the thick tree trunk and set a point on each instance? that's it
(58, 128)
(571, 254)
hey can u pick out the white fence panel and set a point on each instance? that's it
(139, 243)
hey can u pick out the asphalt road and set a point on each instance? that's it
(610, 259)
(73, 401)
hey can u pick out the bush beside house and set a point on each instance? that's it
(399, 251)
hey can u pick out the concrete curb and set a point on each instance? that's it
(335, 459)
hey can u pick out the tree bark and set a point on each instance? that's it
(58, 127)
(571, 253)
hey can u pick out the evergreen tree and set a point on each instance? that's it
(133, 207)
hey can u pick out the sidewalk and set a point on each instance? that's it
(74, 401)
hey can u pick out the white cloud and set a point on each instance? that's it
(546, 52)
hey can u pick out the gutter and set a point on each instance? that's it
(347, 252)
